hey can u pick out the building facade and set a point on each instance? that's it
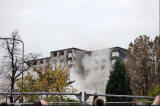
(70, 57)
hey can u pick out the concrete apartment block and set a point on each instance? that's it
(73, 56)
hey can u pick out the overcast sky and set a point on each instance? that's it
(48, 25)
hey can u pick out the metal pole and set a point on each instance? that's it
(22, 65)
(6, 98)
(22, 60)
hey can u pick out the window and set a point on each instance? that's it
(69, 58)
(69, 51)
(113, 61)
(41, 61)
(69, 54)
(47, 60)
(70, 65)
(35, 62)
(61, 60)
(55, 54)
(116, 54)
(103, 60)
(102, 67)
(28, 63)
(61, 53)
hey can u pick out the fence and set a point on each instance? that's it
(140, 102)
(82, 98)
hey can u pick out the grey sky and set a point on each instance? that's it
(47, 25)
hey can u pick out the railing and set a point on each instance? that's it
(82, 97)
(141, 102)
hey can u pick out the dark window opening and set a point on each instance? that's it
(47, 60)
(28, 63)
(69, 58)
(61, 53)
(54, 54)
(102, 67)
(103, 60)
(35, 62)
(70, 65)
(69, 51)
(41, 61)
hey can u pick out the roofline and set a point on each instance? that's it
(118, 47)
(69, 48)
(108, 49)
(43, 58)
(87, 51)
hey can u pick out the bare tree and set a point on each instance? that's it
(11, 68)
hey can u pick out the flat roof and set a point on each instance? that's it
(68, 49)
(112, 48)
(40, 59)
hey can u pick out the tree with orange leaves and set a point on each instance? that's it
(142, 64)
(57, 80)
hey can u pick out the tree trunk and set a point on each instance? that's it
(12, 88)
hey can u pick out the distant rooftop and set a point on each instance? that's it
(43, 58)
(87, 51)
(69, 48)
(113, 48)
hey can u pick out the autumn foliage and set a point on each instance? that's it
(47, 81)
(143, 64)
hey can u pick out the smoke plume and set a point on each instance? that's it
(93, 74)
